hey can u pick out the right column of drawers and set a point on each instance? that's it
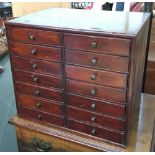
(97, 71)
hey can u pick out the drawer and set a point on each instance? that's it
(34, 65)
(34, 36)
(96, 91)
(43, 105)
(107, 134)
(39, 116)
(94, 60)
(94, 118)
(96, 76)
(42, 92)
(37, 79)
(35, 51)
(94, 105)
(107, 45)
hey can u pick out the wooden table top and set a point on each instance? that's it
(140, 139)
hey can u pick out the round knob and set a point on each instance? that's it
(93, 106)
(33, 51)
(37, 92)
(93, 92)
(94, 61)
(38, 105)
(93, 132)
(35, 79)
(34, 66)
(93, 45)
(31, 37)
(40, 117)
(93, 76)
(93, 119)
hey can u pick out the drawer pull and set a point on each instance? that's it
(41, 145)
(93, 106)
(93, 119)
(39, 117)
(93, 92)
(94, 61)
(38, 105)
(37, 92)
(33, 51)
(31, 37)
(93, 76)
(93, 132)
(93, 45)
(34, 66)
(35, 79)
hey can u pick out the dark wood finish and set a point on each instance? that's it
(102, 45)
(39, 116)
(97, 77)
(98, 106)
(114, 47)
(42, 92)
(35, 51)
(103, 61)
(34, 65)
(100, 92)
(43, 105)
(34, 36)
(37, 79)
(94, 118)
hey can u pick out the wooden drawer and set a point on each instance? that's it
(43, 105)
(39, 116)
(96, 119)
(107, 45)
(96, 91)
(35, 36)
(37, 79)
(96, 131)
(94, 105)
(43, 92)
(94, 60)
(35, 51)
(96, 76)
(36, 65)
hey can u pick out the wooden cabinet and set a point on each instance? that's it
(79, 77)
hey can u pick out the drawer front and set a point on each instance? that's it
(96, 91)
(96, 119)
(39, 116)
(42, 92)
(95, 131)
(94, 105)
(33, 65)
(37, 79)
(35, 51)
(43, 105)
(107, 45)
(34, 36)
(96, 76)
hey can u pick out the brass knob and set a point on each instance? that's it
(93, 106)
(93, 119)
(37, 92)
(31, 37)
(93, 45)
(40, 117)
(94, 61)
(93, 132)
(34, 66)
(93, 76)
(38, 105)
(93, 92)
(35, 79)
(33, 51)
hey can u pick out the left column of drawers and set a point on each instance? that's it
(36, 62)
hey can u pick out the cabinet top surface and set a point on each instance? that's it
(124, 23)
